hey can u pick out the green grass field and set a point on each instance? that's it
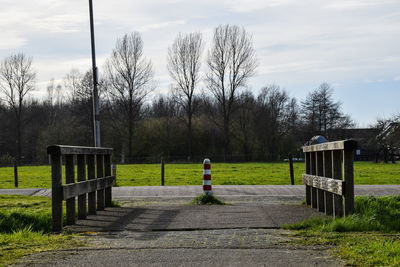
(191, 174)
(25, 224)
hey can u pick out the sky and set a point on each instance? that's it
(354, 45)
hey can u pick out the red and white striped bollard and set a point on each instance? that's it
(207, 177)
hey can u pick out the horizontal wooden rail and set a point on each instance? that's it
(338, 145)
(327, 184)
(80, 188)
(78, 150)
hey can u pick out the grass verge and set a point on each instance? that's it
(370, 237)
(207, 199)
(25, 224)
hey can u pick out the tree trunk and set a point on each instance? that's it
(227, 146)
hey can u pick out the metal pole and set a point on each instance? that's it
(96, 121)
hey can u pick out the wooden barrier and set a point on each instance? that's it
(328, 185)
(88, 159)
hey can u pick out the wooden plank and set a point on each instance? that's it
(308, 188)
(79, 188)
(327, 184)
(337, 174)
(328, 173)
(338, 145)
(108, 189)
(91, 166)
(81, 162)
(313, 170)
(70, 179)
(348, 177)
(56, 192)
(320, 172)
(100, 173)
(77, 150)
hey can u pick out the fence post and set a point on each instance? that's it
(313, 169)
(91, 175)
(348, 175)
(69, 179)
(290, 156)
(320, 172)
(81, 177)
(107, 172)
(328, 173)
(308, 188)
(337, 174)
(56, 192)
(15, 173)
(162, 171)
(100, 174)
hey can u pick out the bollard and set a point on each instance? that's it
(290, 156)
(15, 174)
(114, 172)
(162, 171)
(207, 177)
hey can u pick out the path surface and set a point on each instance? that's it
(156, 227)
(229, 191)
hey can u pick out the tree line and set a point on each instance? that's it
(209, 110)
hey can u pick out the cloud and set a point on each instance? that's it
(11, 41)
(65, 23)
(356, 4)
(397, 78)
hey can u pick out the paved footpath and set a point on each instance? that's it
(156, 227)
(223, 191)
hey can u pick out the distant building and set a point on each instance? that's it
(366, 141)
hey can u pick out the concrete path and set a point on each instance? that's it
(233, 191)
(156, 227)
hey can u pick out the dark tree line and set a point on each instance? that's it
(226, 121)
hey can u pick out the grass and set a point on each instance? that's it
(191, 174)
(207, 199)
(369, 237)
(25, 224)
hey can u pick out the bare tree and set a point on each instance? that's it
(17, 79)
(231, 62)
(321, 114)
(130, 76)
(184, 61)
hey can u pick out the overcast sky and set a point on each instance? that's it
(352, 44)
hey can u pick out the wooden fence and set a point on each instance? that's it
(93, 163)
(329, 177)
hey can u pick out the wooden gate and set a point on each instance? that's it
(329, 177)
(95, 190)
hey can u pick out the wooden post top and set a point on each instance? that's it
(78, 150)
(337, 145)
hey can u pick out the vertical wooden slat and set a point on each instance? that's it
(56, 192)
(320, 172)
(69, 179)
(328, 173)
(100, 174)
(313, 169)
(91, 166)
(308, 188)
(337, 174)
(81, 162)
(107, 172)
(348, 177)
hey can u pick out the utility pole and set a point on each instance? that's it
(96, 120)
